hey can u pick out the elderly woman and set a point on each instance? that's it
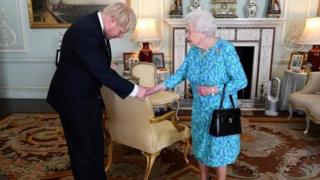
(210, 64)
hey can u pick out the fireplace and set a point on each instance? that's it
(246, 54)
(254, 42)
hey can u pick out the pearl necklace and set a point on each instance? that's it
(211, 43)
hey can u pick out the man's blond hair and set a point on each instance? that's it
(122, 14)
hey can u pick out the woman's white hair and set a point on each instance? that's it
(203, 21)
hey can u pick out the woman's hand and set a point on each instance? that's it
(113, 66)
(159, 87)
(207, 90)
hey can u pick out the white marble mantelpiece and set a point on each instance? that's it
(234, 22)
(259, 33)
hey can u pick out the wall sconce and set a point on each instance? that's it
(146, 32)
(311, 36)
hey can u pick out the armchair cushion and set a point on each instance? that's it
(166, 134)
(163, 97)
(303, 101)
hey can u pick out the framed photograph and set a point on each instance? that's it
(128, 59)
(158, 60)
(297, 60)
(60, 14)
(57, 56)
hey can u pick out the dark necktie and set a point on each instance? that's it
(108, 48)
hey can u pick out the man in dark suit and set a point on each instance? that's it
(83, 68)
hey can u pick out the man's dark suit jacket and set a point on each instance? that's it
(84, 66)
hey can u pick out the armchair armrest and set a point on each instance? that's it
(166, 116)
(312, 85)
(134, 79)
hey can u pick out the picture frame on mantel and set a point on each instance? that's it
(59, 14)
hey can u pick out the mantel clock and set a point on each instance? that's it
(224, 8)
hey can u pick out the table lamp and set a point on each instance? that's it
(146, 32)
(311, 36)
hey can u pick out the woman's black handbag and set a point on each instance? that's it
(225, 122)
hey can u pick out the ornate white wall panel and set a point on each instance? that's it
(12, 31)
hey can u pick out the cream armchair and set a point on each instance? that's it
(145, 75)
(308, 100)
(131, 122)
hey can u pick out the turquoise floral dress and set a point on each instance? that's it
(218, 66)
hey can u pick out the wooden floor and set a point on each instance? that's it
(8, 106)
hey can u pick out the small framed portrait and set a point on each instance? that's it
(129, 58)
(158, 59)
(297, 60)
(57, 56)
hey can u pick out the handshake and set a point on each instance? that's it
(143, 92)
(202, 90)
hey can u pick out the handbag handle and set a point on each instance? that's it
(222, 97)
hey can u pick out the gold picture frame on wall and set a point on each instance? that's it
(61, 13)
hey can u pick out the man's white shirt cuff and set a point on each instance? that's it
(134, 91)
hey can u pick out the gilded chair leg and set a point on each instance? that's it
(186, 143)
(290, 111)
(307, 125)
(150, 160)
(110, 150)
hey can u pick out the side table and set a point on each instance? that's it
(291, 82)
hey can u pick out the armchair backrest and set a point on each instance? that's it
(146, 72)
(128, 120)
(313, 83)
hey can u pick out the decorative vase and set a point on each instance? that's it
(195, 5)
(145, 54)
(252, 8)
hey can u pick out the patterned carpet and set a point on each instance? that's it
(32, 146)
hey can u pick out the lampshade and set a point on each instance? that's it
(311, 32)
(311, 36)
(146, 30)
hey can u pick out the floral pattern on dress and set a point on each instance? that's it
(217, 66)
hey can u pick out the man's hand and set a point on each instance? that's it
(159, 87)
(207, 90)
(141, 93)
